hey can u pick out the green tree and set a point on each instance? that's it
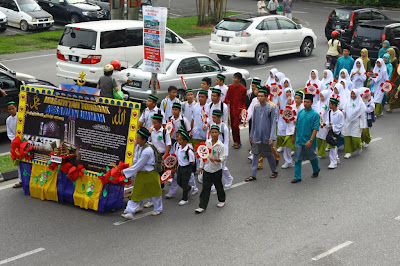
(210, 11)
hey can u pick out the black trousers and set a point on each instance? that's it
(183, 176)
(208, 180)
(273, 12)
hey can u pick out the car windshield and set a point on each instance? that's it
(76, 1)
(28, 5)
(369, 32)
(342, 14)
(79, 38)
(233, 25)
(139, 65)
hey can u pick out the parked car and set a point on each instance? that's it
(10, 82)
(259, 37)
(370, 35)
(3, 22)
(193, 67)
(348, 18)
(26, 14)
(74, 11)
(90, 46)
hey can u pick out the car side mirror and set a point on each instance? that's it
(223, 69)
(299, 26)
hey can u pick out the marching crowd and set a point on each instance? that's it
(302, 124)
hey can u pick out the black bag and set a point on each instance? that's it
(332, 138)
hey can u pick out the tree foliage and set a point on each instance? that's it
(386, 3)
(210, 11)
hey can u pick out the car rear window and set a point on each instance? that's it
(79, 38)
(341, 14)
(369, 32)
(233, 25)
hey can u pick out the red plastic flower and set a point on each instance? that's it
(53, 166)
(20, 149)
(65, 167)
(75, 172)
(115, 175)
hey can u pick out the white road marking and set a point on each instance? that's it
(329, 252)
(233, 186)
(29, 57)
(375, 139)
(21, 256)
(397, 218)
(6, 186)
(4, 153)
(258, 68)
(136, 217)
(300, 12)
(177, 15)
(307, 59)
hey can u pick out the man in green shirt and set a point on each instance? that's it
(304, 138)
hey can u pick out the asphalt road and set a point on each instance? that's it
(347, 216)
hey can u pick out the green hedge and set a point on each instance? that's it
(387, 3)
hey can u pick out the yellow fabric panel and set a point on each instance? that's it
(84, 198)
(43, 183)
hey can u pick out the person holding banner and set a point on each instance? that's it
(151, 109)
(263, 134)
(145, 179)
(212, 171)
(220, 80)
(236, 98)
(166, 104)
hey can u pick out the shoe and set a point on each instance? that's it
(294, 181)
(287, 165)
(321, 157)
(332, 166)
(228, 185)
(347, 155)
(148, 204)
(338, 161)
(190, 191)
(169, 196)
(200, 178)
(259, 166)
(359, 151)
(327, 149)
(365, 145)
(199, 210)
(183, 202)
(128, 216)
(170, 181)
(139, 209)
(154, 213)
(280, 149)
(292, 153)
(315, 175)
(221, 204)
(250, 157)
(194, 192)
(213, 188)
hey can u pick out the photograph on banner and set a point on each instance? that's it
(154, 28)
(90, 133)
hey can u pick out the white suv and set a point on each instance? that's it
(259, 37)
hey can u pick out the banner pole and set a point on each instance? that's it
(154, 83)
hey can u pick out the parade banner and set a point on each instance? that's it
(154, 28)
(89, 131)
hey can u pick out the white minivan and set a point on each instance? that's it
(89, 46)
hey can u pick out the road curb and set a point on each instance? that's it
(346, 4)
(13, 174)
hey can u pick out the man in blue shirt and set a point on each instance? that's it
(304, 138)
(345, 61)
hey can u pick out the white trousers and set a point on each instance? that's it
(226, 175)
(132, 206)
(287, 155)
(288, 15)
(333, 156)
(173, 187)
(19, 174)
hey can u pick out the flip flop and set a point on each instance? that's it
(274, 175)
(250, 178)
(18, 185)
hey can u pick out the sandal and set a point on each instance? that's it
(274, 175)
(250, 178)
(18, 185)
(389, 111)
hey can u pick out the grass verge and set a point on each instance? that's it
(6, 164)
(185, 27)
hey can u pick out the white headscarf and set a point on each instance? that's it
(342, 95)
(323, 106)
(314, 81)
(361, 69)
(381, 71)
(349, 84)
(325, 82)
(283, 99)
(271, 80)
(281, 77)
(354, 108)
(346, 89)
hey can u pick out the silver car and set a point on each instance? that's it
(193, 67)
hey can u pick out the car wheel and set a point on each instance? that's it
(224, 57)
(3, 29)
(24, 25)
(74, 18)
(262, 54)
(306, 47)
(181, 95)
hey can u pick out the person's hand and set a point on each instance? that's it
(271, 142)
(3, 93)
(330, 127)
(396, 95)
(279, 104)
(308, 144)
(251, 140)
(200, 171)
(165, 156)
(211, 159)
(244, 124)
(293, 140)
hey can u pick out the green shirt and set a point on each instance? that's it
(307, 121)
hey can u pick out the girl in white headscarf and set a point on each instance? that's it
(344, 75)
(346, 90)
(358, 74)
(271, 77)
(339, 91)
(354, 122)
(279, 76)
(326, 80)
(370, 117)
(313, 79)
(323, 110)
(380, 69)
(285, 98)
